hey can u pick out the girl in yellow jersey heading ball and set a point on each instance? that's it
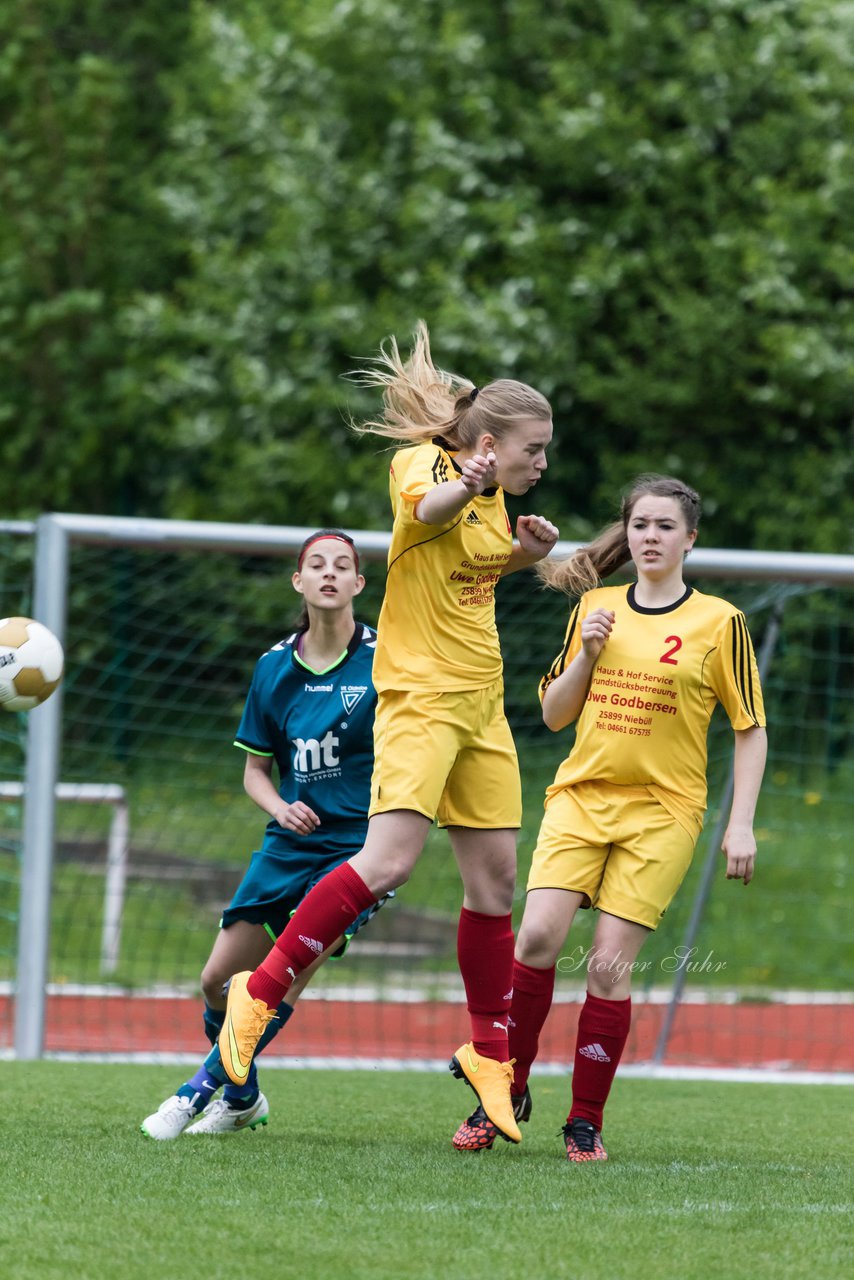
(442, 744)
(640, 672)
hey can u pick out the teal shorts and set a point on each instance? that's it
(280, 875)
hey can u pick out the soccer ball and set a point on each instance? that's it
(30, 663)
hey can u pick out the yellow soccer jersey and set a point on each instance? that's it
(652, 693)
(437, 624)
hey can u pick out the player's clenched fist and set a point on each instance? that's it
(536, 534)
(479, 472)
(595, 630)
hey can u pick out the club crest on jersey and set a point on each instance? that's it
(351, 694)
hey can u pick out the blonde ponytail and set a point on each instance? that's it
(421, 401)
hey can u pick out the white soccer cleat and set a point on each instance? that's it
(170, 1119)
(220, 1116)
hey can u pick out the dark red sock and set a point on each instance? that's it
(323, 914)
(533, 990)
(603, 1029)
(485, 953)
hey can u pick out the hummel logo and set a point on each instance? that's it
(594, 1051)
(312, 944)
(473, 518)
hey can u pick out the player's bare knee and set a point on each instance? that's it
(212, 981)
(394, 874)
(504, 887)
(537, 945)
(608, 976)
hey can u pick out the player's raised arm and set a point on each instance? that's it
(448, 499)
(564, 698)
(535, 538)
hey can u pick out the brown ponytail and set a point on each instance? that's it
(609, 551)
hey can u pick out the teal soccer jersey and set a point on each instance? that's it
(319, 730)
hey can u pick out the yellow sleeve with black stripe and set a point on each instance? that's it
(733, 675)
(571, 646)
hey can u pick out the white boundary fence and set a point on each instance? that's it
(55, 533)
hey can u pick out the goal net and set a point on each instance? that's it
(161, 641)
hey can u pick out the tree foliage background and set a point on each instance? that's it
(210, 213)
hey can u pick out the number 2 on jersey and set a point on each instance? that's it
(668, 656)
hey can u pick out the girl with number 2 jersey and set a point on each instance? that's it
(640, 673)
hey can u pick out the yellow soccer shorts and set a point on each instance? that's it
(447, 755)
(617, 845)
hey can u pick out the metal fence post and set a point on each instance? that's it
(43, 747)
(116, 876)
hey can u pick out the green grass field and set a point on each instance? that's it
(355, 1177)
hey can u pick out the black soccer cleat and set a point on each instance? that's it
(583, 1141)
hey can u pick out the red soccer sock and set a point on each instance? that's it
(603, 1029)
(485, 953)
(533, 990)
(321, 917)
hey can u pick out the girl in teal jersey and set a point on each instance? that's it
(293, 720)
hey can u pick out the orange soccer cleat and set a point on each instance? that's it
(491, 1081)
(246, 1020)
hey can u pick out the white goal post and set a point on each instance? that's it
(112, 794)
(56, 533)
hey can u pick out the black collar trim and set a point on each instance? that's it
(667, 608)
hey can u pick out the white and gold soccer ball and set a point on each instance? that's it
(31, 663)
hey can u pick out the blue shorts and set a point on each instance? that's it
(280, 874)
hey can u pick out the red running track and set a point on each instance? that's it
(805, 1037)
